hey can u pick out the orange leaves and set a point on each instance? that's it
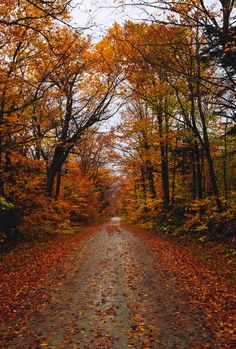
(203, 286)
(80, 192)
(32, 14)
(24, 272)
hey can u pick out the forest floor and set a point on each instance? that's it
(113, 286)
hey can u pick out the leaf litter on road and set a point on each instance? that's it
(114, 286)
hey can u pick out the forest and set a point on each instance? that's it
(171, 157)
(117, 175)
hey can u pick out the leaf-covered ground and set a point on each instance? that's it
(113, 287)
(206, 276)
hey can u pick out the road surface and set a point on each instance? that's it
(112, 292)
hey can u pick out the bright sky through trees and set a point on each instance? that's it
(99, 15)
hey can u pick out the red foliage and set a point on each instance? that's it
(25, 271)
(201, 283)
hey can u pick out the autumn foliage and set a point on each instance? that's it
(204, 283)
(52, 91)
(23, 277)
(166, 162)
(177, 133)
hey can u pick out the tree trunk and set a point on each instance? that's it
(194, 177)
(203, 173)
(1, 152)
(213, 179)
(206, 146)
(149, 168)
(199, 172)
(58, 185)
(150, 177)
(143, 186)
(174, 173)
(225, 166)
(205, 143)
(164, 165)
(58, 160)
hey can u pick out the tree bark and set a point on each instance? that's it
(164, 165)
(58, 184)
(203, 173)
(174, 173)
(225, 166)
(144, 190)
(194, 176)
(205, 143)
(199, 172)
(58, 160)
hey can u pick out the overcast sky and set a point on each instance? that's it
(101, 14)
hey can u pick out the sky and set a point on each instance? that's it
(100, 15)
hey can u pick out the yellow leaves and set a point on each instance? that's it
(44, 344)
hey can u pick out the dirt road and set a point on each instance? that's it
(111, 292)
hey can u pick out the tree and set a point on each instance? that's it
(215, 20)
(84, 97)
(26, 28)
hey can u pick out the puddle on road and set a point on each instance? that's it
(115, 219)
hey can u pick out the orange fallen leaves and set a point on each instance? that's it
(200, 284)
(24, 274)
